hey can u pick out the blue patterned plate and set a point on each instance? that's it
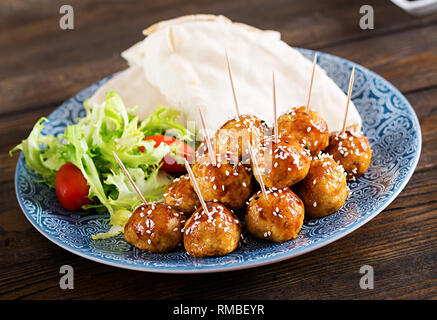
(389, 123)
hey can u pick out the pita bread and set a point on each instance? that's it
(190, 71)
(183, 19)
(182, 64)
(134, 89)
(135, 54)
(206, 17)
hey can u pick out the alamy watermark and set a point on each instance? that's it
(367, 21)
(367, 280)
(66, 22)
(67, 280)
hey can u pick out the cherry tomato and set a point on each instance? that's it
(169, 163)
(71, 187)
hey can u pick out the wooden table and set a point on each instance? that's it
(42, 65)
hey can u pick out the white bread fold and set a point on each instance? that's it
(183, 63)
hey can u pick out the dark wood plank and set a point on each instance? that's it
(411, 219)
(398, 244)
(407, 59)
(34, 90)
(41, 64)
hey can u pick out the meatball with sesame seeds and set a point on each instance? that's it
(352, 150)
(308, 128)
(213, 233)
(155, 227)
(282, 164)
(180, 195)
(278, 218)
(236, 134)
(324, 189)
(228, 182)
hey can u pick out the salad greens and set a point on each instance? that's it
(89, 145)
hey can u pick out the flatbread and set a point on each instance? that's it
(135, 54)
(183, 19)
(134, 89)
(190, 71)
(181, 64)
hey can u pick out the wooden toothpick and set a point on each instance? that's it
(257, 172)
(207, 138)
(237, 109)
(195, 186)
(349, 94)
(311, 83)
(171, 38)
(275, 114)
(129, 178)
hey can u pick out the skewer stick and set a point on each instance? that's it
(195, 186)
(257, 171)
(171, 38)
(349, 93)
(237, 109)
(311, 83)
(208, 139)
(275, 115)
(129, 178)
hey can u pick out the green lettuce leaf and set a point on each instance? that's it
(89, 145)
(77, 152)
(117, 221)
(42, 153)
(163, 122)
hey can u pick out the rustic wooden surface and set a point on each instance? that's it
(41, 66)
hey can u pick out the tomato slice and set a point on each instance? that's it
(71, 187)
(169, 163)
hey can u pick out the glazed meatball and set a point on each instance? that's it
(282, 164)
(227, 182)
(234, 136)
(352, 150)
(324, 190)
(278, 218)
(308, 128)
(155, 227)
(181, 196)
(213, 233)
